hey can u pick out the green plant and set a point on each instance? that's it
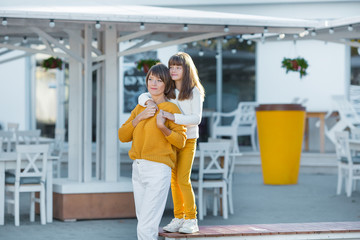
(296, 64)
(146, 64)
(52, 62)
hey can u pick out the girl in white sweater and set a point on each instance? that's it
(189, 98)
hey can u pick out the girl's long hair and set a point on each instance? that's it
(190, 75)
(161, 71)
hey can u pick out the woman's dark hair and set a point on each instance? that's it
(161, 71)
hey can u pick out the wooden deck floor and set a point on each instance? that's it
(288, 231)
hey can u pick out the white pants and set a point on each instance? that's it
(151, 183)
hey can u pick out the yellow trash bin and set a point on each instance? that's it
(281, 132)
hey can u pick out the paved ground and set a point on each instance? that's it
(313, 199)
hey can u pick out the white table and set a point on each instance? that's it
(8, 161)
(354, 144)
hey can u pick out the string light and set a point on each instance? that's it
(194, 44)
(240, 39)
(97, 25)
(313, 33)
(233, 51)
(6, 38)
(4, 21)
(262, 38)
(266, 30)
(185, 28)
(331, 30)
(350, 28)
(51, 23)
(61, 40)
(282, 35)
(209, 41)
(24, 39)
(142, 26)
(217, 55)
(201, 52)
(225, 40)
(226, 28)
(249, 42)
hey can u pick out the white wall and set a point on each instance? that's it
(13, 94)
(327, 73)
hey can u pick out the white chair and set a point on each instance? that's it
(348, 117)
(29, 176)
(243, 124)
(27, 137)
(213, 173)
(348, 165)
(232, 159)
(57, 149)
(12, 126)
(355, 133)
(7, 137)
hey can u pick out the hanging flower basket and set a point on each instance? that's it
(52, 62)
(146, 64)
(296, 65)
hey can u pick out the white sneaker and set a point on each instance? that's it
(174, 225)
(189, 226)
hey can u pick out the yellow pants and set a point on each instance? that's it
(181, 189)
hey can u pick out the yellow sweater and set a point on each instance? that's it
(148, 142)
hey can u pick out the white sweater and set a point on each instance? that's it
(191, 111)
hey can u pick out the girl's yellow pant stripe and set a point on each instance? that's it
(181, 189)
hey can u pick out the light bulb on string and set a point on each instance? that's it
(185, 28)
(240, 39)
(4, 21)
(331, 31)
(97, 25)
(226, 28)
(142, 26)
(313, 33)
(350, 28)
(201, 53)
(51, 23)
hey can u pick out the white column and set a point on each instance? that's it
(87, 123)
(100, 109)
(75, 111)
(60, 95)
(111, 104)
(219, 75)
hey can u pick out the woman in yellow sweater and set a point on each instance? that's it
(155, 141)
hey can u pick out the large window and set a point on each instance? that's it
(355, 66)
(238, 74)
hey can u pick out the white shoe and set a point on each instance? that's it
(189, 226)
(174, 225)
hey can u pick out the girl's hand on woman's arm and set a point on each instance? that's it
(151, 104)
(160, 122)
(169, 116)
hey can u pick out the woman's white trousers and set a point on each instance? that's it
(151, 183)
